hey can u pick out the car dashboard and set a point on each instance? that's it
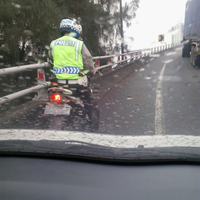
(27, 178)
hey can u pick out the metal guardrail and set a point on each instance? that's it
(12, 70)
(23, 92)
(134, 54)
(42, 84)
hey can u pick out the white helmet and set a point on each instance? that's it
(70, 25)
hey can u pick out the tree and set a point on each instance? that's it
(30, 26)
(110, 19)
(24, 21)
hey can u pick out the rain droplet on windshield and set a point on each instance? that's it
(148, 77)
(187, 84)
(129, 39)
(47, 47)
(8, 90)
(15, 5)
(72, 34)
(170, 53)
(28, 97)
(171, 89)
(154, 55)
(178, 67)
(20, 78)
(118, 126)
(27, 78)
(121, 40)
(142, 60)
(183, 96)
(153, 72)
(4, 84)
(105, 20)
(129, 98)
(142, 69)
(167, 61)
(28, 33)
(112, 21)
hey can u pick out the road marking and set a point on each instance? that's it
(159, 111)
(172, 78)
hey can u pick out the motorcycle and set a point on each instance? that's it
(66, 108)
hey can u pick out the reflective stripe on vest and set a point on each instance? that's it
(67, 57)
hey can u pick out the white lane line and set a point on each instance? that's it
(159, 111)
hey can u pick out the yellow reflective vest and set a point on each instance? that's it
(67, 57)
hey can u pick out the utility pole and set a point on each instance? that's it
(122, 30)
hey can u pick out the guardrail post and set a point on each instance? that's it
(132, 56)
(136, 55)
(125, 58)
(109, 60)
(41, 79)
(97, 63)
(118, 58)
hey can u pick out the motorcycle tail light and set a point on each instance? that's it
(56, 97)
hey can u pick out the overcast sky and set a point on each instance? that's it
(154, 17)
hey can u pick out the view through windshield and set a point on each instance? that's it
(120, 67)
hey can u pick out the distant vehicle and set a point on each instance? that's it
(186, 49)
(192, 32)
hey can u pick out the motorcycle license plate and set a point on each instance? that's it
(52, 109)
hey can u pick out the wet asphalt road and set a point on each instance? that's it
(161, 97)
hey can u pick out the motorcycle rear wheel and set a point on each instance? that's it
(57, 123)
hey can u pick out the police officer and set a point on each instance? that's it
(70, 55)
(70, 58)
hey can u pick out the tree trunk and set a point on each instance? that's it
(22, 52)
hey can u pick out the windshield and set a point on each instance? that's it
(111, 68)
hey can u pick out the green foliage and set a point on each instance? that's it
(30, 25)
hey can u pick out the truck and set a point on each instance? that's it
(191, 33)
